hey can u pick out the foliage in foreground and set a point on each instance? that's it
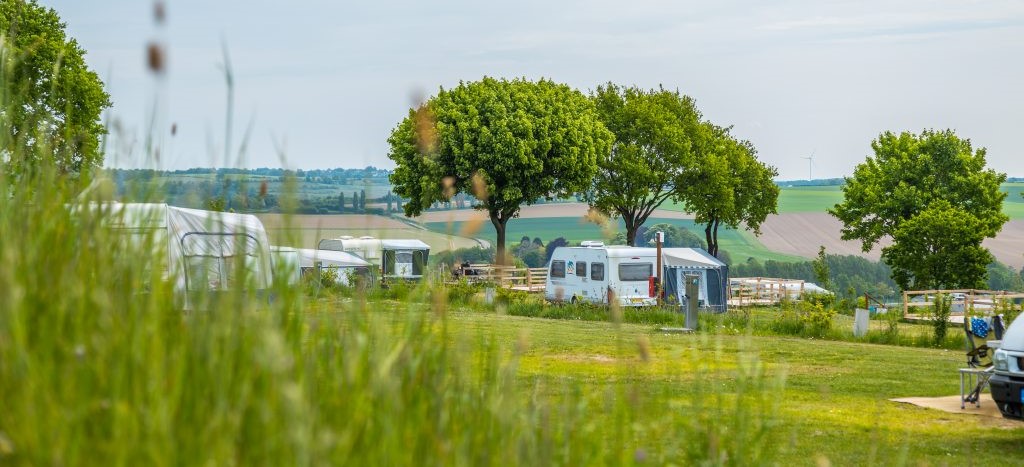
(98, 367)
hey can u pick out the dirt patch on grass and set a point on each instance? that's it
(587, 358)
(534, 212)
(951, 404)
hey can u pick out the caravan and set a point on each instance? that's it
(394, 259)
(595, 273)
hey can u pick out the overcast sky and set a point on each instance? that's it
(323, 82)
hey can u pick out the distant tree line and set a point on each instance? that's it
(818, 182)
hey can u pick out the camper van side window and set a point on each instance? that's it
(635, 271)
(558, 269)
(581, 269)
(597, 271)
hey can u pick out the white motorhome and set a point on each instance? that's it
(392, 258)
(594, 272)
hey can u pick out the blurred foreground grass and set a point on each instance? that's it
(99, 366)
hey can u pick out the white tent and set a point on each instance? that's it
(203, 248)
(714, 276)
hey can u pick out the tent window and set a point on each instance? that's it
(220, 261)
(581, 269)
(403, 257)
(635, 271)
(558, 269)
(419, 258)
(389, 261)
(597, 271)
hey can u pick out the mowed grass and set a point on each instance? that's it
(739, 244)
(834, 404)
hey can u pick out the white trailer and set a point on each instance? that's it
(594, 272)
(392, 258)
(292, 263)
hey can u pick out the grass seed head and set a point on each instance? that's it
(156, 58)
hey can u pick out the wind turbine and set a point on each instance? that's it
(810, 165)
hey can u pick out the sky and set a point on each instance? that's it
(321, 84)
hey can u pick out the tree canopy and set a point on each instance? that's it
(727, 185)
(907, 190)
(52, 101)
(939, 248)
(653, 132)
(508, 143)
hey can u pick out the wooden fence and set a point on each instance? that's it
(509, 277)
(747, 291)
(962, 301)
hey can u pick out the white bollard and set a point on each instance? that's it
(860, 322)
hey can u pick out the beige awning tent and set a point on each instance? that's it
(714, 276)
(203, 248)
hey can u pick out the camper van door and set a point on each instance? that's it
(630, 272)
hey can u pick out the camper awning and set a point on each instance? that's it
(412, 244)
(690, 258)
(328, 258)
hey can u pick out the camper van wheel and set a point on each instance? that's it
(573, 300)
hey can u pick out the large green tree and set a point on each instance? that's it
(939, 248)
(508, 143)
(727, 185)
(653, 132)
(911, 174)
(52, 102)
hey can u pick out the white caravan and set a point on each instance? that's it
(292, 263)
(394, 259)
(594, 272)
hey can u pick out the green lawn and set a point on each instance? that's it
(739, 244)
(834, 403)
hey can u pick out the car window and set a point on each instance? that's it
(597, 271)
(581, 269)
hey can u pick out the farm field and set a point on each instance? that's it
(817, 199)
(834, 403)
(275, 186)
(739, 244)
(800, 234)
(306, 231)
(533, 212)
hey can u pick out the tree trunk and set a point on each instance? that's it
(714, 233)
(709, 238)
(631, 228)
(499, 229)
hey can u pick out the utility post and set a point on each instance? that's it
(659, 237)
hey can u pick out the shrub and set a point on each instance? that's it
(940, 318)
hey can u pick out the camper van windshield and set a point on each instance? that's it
(635, 271)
